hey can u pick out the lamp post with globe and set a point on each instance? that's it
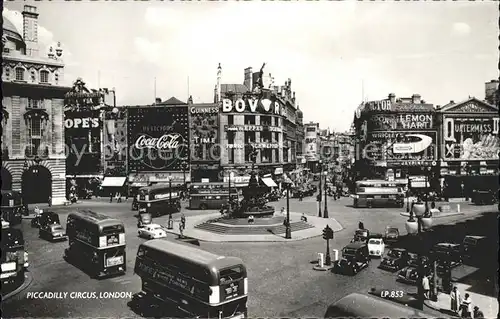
(170, 204)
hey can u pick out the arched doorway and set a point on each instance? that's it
(6, 179)
(37, 185)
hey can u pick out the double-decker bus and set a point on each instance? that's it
(379, 193)
(12, 206)
(159, 199)
(14, 259)
(185, 281)
(96, 242)
(211, 195)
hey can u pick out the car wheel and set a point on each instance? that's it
(203, 206)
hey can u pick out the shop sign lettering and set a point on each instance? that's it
(253, 106)
(165, 142)
(204, 110)
(383, 105)
(254, 145)
(416, 121)
(251, 128)
(81, 123)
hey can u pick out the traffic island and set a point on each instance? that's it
(212, 228)
(323, 268)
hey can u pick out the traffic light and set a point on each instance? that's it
(325, 233)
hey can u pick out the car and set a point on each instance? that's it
(5, 224)
(408, 275)
(474, 248)
(447, 251)
(152, 231)
(396, 259)
(144, 219)
(413, 261)
(355, 257)
(361, 235)
(391, 234)
(52, 232)
(45, 218)
(376, 247)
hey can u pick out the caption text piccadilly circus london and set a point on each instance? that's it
(78, 295)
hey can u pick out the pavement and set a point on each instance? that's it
(488, 305)
(317, 230)
(28, 279)
(282, 282)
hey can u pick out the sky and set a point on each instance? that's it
(337, 54)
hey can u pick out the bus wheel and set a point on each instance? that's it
(369, 205)
(203, 206)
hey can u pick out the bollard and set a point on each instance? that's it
(335, 254)
(458, 208)
(321, 260)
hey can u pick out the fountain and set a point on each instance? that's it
(253, 203)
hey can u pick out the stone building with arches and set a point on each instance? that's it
(33, 154)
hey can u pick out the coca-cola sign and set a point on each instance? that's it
(158, 138)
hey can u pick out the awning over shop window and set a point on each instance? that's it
(113, 181)
(138, 184)
(269, 182)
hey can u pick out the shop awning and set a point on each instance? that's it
(113, 181)
(269, 182)
(138, 184)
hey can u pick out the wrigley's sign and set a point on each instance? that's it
(252, 105)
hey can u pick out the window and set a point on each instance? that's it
(33, 75)
(34, 103)
(7, 73)
(44, 76)
(265, 137)
(265, 120)
(19, 74)
(276, 137)
(56, 78)
(249, 137)
(35, 135)
(230, 119)
(249, 119)
(276, 155)
(265, 155)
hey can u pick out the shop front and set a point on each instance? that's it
(469, 147)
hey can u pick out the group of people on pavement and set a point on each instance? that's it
(463, 307)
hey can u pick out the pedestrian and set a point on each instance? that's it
(301, 195)
(465, 306)
(462, 189)
(181, 230)
(282, 211)
(426, 286)
(433, 210)
(110, 197)
(250, 219)
(478, 314)
(303, 218)
(119, 200)
(361, 225)
(50, 201)
(183, 220)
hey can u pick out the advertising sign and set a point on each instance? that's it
(115, 142)
(254, 145)
(382, 105)
(403, 147)
(253, 105)
(311, 152)
(402, 121)
(82, 130)
(157, 138)
(471, 138)
(252, 128)
(204, 126)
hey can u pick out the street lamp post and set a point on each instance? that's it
(325, 215)
(231, 176)
(320, 187)
(408, 195)
(288, 230)
(170, 222)
(184, 168)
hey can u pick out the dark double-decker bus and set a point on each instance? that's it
(14, 258)
(188, 282)
(159, 199)
(12, 206)
(96, 242)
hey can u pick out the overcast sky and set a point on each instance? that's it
(441, 50)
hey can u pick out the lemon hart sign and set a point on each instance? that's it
(158, 138)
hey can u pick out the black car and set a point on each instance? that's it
(391, 234)
(397, 258)
(449, 252)
(52, 232)
(45, 218)
(475, 249)
(355, 257)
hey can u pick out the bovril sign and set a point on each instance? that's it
(86, 122)
(253, 106)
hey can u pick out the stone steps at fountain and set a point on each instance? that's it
(252, 229)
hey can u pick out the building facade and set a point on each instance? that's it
(396, 138)
(255, 116)
(469, 145)
(33, 149)
(492, 94)
(312, 145)
(83, 122)
(205, 150)
(301, 160)
(158, 143)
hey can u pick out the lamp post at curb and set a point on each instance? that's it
(288, 230)
(184, 166)
(408, 195)
(325, 214)
(170, 222)
(320, 187)
(231, 176)
(327, 235)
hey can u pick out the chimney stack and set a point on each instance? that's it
(392, 98)
(157, 100)
(416, 98)
(248, 82)
(30, 30)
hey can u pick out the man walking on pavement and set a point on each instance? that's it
(426, 286)
(455, 300)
